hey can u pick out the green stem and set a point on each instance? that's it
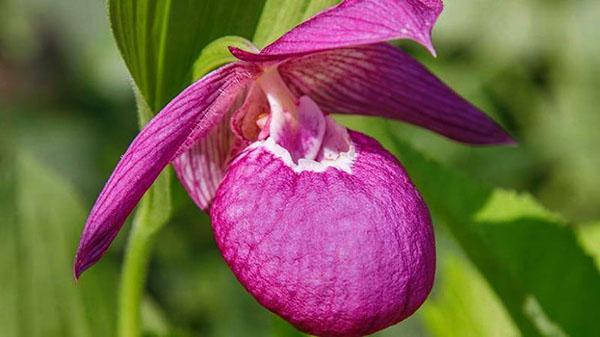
(152, 214)
(135, 270)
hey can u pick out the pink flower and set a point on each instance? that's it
(319, 223)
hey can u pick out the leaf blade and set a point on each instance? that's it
(465, 305)
(490, 225)
(42, 217)
(160, 40)
(498, 240)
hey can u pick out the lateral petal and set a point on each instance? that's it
(201, 168)
(193, 112)
(382, 80)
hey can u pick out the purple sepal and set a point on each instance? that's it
(358, 22)
(187, 118)
(382, 80)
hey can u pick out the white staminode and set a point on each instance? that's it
(342, 161)
(299, 132)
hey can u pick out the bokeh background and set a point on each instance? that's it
(67, 113)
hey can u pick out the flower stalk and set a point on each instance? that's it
(133, 279)
(152, 214)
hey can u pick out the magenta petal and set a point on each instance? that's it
(382, 80)
(335, 253)
(244, 120)
(302, 136)
(357, 22)
(194, 111)
(201, 168)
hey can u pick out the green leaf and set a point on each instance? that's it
(589, 237)
(282, 328)
(530, 256)
(160, 40)
(465, 305)
(279, 16)
(217, 54)
(523, 250)
(41, 221)
(153, 318)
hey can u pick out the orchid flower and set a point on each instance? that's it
(319, 223)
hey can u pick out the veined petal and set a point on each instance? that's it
(194, 112)
(357, 22)
(382, 80)
(244, 120)
(335, 252)
(296, 124)
(305, 139)
(201, 168)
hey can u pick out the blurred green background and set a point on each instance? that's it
(67, 112)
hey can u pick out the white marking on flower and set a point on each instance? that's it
(342, 161)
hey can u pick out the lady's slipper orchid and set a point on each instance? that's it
(319, 223)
